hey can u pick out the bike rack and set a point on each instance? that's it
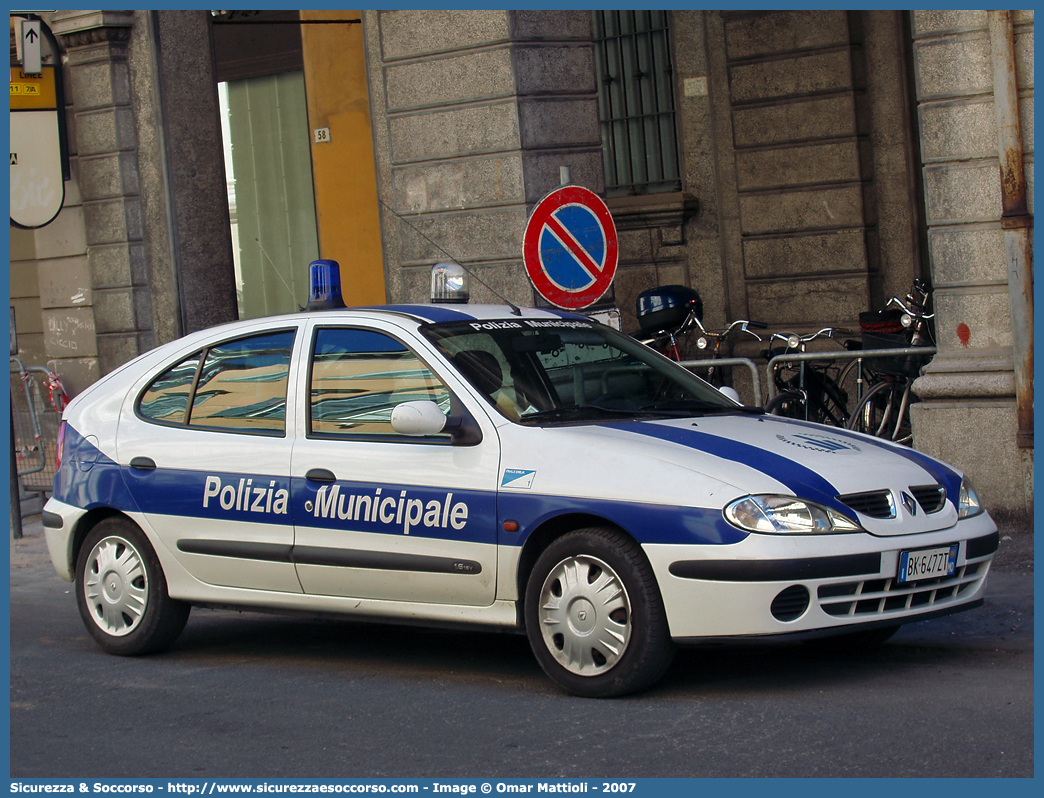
(36, 426)
(855, 354)
(730, 361)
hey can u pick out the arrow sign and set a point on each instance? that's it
(31, 51)
(570, 247)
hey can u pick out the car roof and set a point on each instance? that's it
(420, 314)
(452, 312)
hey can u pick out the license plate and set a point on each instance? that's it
(927, 564)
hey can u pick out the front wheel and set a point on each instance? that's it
(122, 593)
(594, 615)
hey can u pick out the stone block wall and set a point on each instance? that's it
(968, 412)
(815, 163)
(474, 112)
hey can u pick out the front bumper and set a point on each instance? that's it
(779, 584)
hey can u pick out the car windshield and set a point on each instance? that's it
(568, 371)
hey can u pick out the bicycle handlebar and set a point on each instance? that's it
(793, 340)
(917, 314)
(742, 324)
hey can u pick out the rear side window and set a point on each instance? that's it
(238, 386)
(358, 376)
(167, 398)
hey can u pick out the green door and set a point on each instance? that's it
(271, 198)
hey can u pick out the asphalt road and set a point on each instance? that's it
(250, 695)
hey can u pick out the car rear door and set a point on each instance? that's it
(205, 452)
(381, 515)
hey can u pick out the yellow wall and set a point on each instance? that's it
(343, 168)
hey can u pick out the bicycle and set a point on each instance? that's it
(884, 410)
(806, 390)
(666, 316)
(676, 319)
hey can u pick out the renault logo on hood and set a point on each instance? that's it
(909, 503)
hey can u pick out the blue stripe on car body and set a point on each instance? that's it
(803, 481)
(246, 498)
(89, 478)
(939, 471)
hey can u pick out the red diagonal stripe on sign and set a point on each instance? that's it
(566, 239)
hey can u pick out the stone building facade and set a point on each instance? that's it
(824, 160)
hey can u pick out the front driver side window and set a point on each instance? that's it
(358, 376)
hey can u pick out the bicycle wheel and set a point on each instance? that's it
(789, 404)
(884, 412)
(827, 400)
(821, 400)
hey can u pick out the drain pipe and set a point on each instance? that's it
(1015, 217)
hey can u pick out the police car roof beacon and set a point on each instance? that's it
(514, 308)
(449, 284)
(324, 285)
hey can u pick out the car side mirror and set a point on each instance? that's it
(418, 418)
(424, 417)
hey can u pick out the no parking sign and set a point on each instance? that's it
(570, 247)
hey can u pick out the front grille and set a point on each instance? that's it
(876, 504)
(932, 498)
(879, 597)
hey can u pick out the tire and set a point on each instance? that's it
(832, 405)
(588, 644)
(826, 401)
(789, 404)
(879, 411)
(122, 593)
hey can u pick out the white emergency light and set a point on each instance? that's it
(449, 284)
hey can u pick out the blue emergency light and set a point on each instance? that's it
(324, 285)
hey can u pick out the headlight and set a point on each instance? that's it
(786, 515)
(968, 504)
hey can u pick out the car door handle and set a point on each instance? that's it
(143, 463)
(320, 475)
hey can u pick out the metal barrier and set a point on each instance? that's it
(730, 361)
(855, 354)
(36, 424)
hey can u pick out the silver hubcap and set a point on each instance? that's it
(585, 615)
(116, 586)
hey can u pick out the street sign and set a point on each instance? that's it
(37, 186)
(32, 48)
(570, 247)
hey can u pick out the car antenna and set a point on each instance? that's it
(514, 308)
(265, 252)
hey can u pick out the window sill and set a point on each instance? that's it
(669, 209)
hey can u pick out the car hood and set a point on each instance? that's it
(709, 461)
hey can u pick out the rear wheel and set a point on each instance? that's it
(884, 411)
(122, 593)
(594, 616)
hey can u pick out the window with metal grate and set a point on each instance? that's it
(636, 102)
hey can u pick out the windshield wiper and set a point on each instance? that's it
(698, 407)
(577, 412)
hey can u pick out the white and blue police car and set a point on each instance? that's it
(480, 465)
